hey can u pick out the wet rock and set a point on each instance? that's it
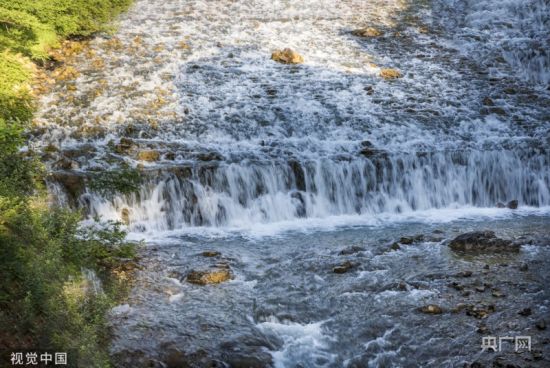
(406, 240)
(351, 250)
(125, 146)
(523, 267)
(176, 275)
(65, 163)
(125, 216)
(51, 148)
(480, 289)
(148, 155)
(299, 203)
(135, 358)
(525, 312)
(497, 111)
(171, 156)
(476, 365)
(501, 205)
(455, 285)
(263, 360)
(210, 253)
(487, 101)
(213, 276)
(395, 246)
(541, 325)
(482, 329)
(497, 294)
(512, 204)
(174, 358)
(287, 56)
(72, 182)
(343, 268)
(459, 307)
(464, 274)
(209, 156)
(478, 312)
(431, 309)
(390, 73)
(367, 32)
(482, 241)
(368, 149)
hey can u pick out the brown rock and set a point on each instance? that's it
(125, 146)
(390, 73)
(431, 309)
(212, 276)
(210, 253)
(367, 32)
(148, 155)
(287, 56)
(125, 216)
(343, 268)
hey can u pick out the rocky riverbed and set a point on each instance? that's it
(355, 297)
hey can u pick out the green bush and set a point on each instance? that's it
(47, 299)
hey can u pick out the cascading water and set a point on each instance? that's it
(233, 146)
(253, 192)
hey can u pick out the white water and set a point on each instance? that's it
(287, 139)
(239, 196)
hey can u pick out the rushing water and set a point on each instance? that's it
(249, 149)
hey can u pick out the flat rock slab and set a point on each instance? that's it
(482, 242)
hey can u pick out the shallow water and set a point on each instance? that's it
(280, 167)
(286, 306)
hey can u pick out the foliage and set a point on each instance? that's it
(125, 180)
(47, 262)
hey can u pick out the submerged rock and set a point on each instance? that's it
(482, 241)
(525, 312)
(351, 250)
(212, 276)
(367, 32)
(390, 73)
(343, 268)
(287, 56)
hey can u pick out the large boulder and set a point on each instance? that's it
(287, 56)
(482, 241)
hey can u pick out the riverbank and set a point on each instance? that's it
(58, 280)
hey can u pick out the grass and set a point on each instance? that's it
(49, 266)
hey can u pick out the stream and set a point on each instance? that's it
(284, 172)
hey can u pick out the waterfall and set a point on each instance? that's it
(233, 194)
